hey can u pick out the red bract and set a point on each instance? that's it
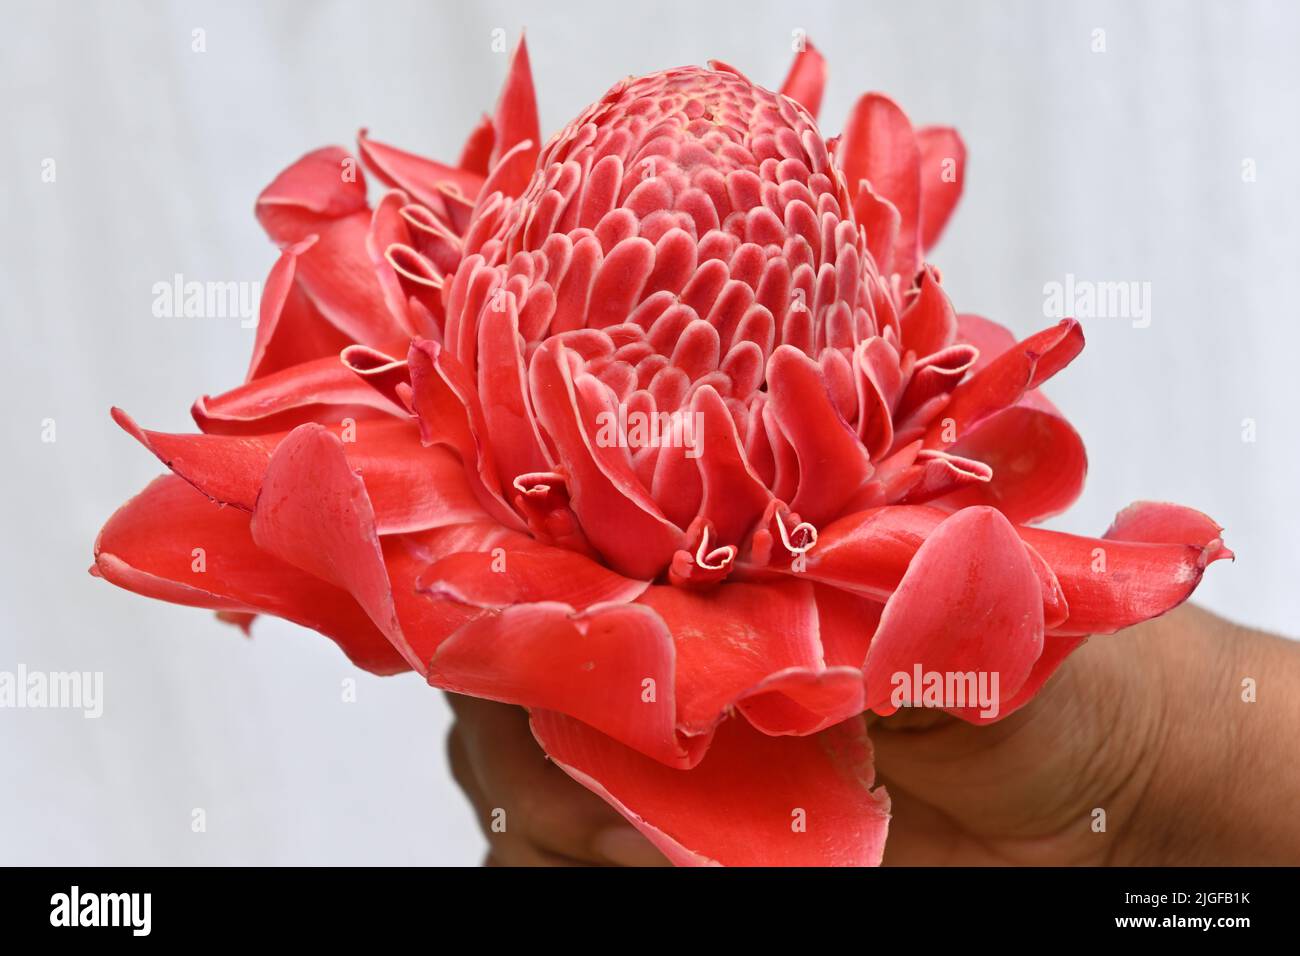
(817, 475)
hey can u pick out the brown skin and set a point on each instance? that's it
(1148, 724)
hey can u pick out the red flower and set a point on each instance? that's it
(664, 432)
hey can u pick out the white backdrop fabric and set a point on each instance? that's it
(1132, 164)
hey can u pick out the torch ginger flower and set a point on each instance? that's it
(413, 466)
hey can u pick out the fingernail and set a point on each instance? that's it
(626, 847)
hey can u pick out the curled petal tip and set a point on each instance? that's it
(1216, 550)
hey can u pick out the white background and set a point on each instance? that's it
(1122, 165)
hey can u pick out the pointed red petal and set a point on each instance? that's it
(943, 174)
(516, 119)
(807, 79)
(313, 511)
(882, 222)
(879, 383)
(1004, 381)
(414, 174)
(172, 543)
(879, 146)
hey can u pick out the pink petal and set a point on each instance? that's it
(610, 667)
(868, 553)
(938, 473)
(929, 324)
(882, 222)
(290, 330)
(446, 405)
(620, 518)
(501, 578)
(314, 513)
(1159, 522)
(734, 640)
(833, 464)
(508, 414)
(323, 389)
(316, 187)
(969, 602)
(410, 285)
(416, 175)
(474, 155)
(314, 196)
(509, 178)
(755, 800)
(734, 498)
(936, 374)
(879, 384)
(1038, 462)
(1113, 582)
(410, 486)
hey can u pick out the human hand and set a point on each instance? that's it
(531, 812)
